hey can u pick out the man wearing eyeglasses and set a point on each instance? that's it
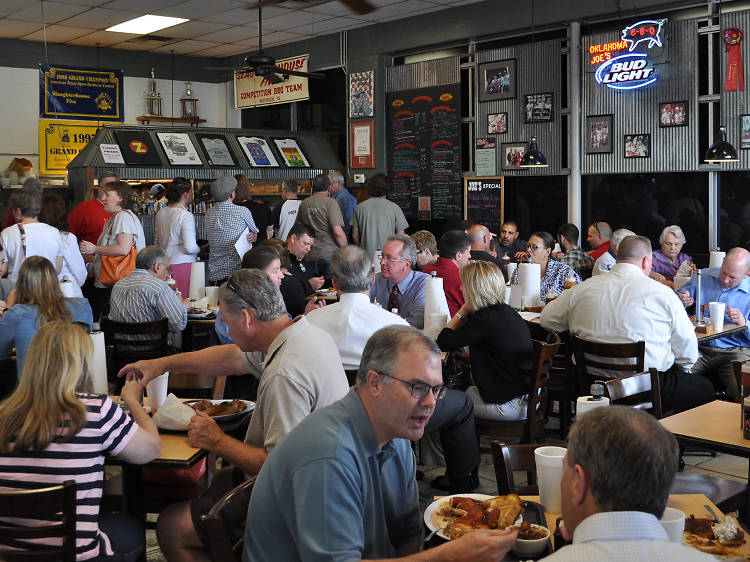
(342, 484)
(299, 370)
(599, 236)
(398, 285)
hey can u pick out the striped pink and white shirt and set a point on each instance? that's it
(107, 431)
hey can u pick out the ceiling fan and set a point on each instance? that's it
(359, 6)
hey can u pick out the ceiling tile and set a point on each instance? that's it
(229, 35)
(191, 29)
(58, 34)
(85, 2)
(53, 11)
(236, 16)
(223, 51)
(9, 6)
(412, 6)
(141, 6)
(101, 18)
(198, 9)
(292, 19)
(279, 38)
(334, 8)
(16, 29)
(185, 47)
(103, 38)
(323, 27)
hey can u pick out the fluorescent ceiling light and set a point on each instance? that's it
(146, 24)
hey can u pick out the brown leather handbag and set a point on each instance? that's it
(115, 268)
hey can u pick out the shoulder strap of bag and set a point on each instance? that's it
(23, 239)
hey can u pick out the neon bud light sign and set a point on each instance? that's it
(626, 72)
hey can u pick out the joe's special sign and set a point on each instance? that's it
(251, 90)
(73, 92)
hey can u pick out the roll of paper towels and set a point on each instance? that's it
(197, 280)
(529, 280)
(68, 290)
(511, 267)
(586, 403)
(99, 364)
(435, 304)
(716, 259)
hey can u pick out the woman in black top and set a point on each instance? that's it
(499, 344)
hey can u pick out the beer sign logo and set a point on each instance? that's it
(626, 72)
(138, 147)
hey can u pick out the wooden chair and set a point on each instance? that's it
(562, 386)
(532, 428)
(637, 391)
(184, 385)
(615, 358)
(509, 458)
(41, 503)
(227, 514)
(121, 350)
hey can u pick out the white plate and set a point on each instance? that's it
(249, 403)
(201, 315)
(437, 504)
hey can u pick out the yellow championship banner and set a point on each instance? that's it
(251, 90)
(61, 141)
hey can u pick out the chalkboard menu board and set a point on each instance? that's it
(424, 146)
(484, 201)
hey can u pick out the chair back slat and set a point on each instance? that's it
(598, 359)
(228, 513)
(641, 386)
(519, 458)
(58, 502)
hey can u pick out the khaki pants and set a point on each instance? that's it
(716, 364)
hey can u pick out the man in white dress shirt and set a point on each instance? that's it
(351, 322)
(616, 478)
(624, 305)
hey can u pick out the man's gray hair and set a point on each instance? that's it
(251, 289)
(149, 256)
(337, 177)
(28, 202)
(384, 346)
(630, 458)
(32, 184)
(633, 248)
(351, 268)
(604, 229)
(409, 251)
(618, 235)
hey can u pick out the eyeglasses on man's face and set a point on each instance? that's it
(391, 259)
(420, 389)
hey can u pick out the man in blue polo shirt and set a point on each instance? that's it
(729, 284)
(341, 485)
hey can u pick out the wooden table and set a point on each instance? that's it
(728, 330)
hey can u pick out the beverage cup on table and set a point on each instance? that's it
(717, 310)
(156, 390)
(212, 293)
(549, 469)
(506, 260)
(673, 522)
(172, 283)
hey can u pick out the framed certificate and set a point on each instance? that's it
(179, 149)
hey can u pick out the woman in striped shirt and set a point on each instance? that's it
(53, 429)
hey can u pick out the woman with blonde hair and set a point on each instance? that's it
(499, 343)
(53, 429)
(36, 300)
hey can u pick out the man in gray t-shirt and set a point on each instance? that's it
(299, 368)
(377, 218)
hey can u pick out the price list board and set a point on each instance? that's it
(424, 146)
(484, 201)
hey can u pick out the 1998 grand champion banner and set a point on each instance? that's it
(73, 92)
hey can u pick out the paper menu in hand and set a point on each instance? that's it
(242, 245)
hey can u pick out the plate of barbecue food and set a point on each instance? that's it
(724, 539)
(223, 410)
(459, 514)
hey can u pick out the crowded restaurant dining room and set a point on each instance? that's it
(334, 280)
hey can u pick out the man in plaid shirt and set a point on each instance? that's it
(574, 256)
(225, 222)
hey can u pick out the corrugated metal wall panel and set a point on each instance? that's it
(673, 149)
(543, 58)
(423, 74)
(734, 104)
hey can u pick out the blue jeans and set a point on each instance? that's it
(125, 534)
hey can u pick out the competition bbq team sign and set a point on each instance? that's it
(73, 92)
(251, 90)
(635, 68)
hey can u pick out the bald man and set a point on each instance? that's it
(598, 236)
(729, 284)
(624, 305)
(480, 244)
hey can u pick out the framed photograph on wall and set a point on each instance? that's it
(599, 135)
(497, 123)
(638, 146)
(497, 80)
(745, 132)
(361, 142)
(673, 114)
(538, 107)
(511, 154)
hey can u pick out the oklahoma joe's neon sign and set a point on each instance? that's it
(632, 70)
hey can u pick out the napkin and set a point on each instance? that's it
(174, 414)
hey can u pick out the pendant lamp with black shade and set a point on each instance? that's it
(721, 150)
(533, 157)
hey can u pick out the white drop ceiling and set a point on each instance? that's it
(217, 28)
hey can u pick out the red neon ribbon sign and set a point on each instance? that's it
(735, 76)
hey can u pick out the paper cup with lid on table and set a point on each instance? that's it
(212, 296)
(156, 390)
(549, 470)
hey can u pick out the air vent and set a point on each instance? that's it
(147, 38)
